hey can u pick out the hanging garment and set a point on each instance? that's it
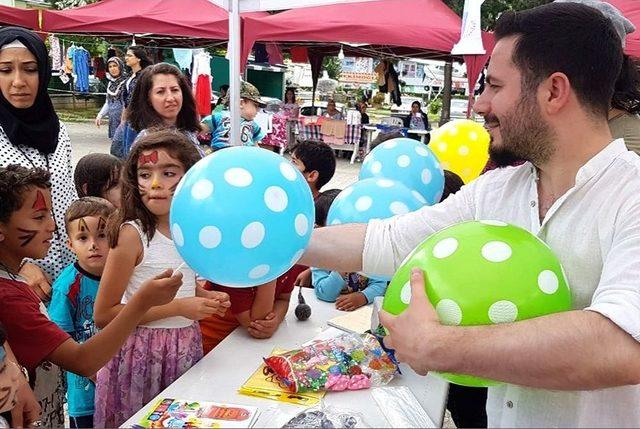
(68, 60)
(381, 71)
(203, 95)
(278, 135)
(260, 53)
(99, 68)
(81, 63)
(184, 57)
(299, 54)
(55, 52)
(275, 55)
(201, 65)
(393, 84)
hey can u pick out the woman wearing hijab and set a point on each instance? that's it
(114, 104)
(31, 135)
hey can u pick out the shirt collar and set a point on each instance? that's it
(13, 277)
(601, 161)
(595, 165)
(85, 272)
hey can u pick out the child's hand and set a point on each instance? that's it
(198, 308)
(27, 410)
(304, 278)
(37, 280)
(221, 297)
(351, 301)
(264, 328)
(161, 289)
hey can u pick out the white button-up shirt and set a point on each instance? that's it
(594, 229)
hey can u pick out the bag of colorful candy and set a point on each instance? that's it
(346, 362)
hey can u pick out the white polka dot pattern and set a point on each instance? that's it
(63, 191)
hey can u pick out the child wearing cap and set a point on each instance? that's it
(219, 123)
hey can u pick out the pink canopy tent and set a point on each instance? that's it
(27, 18)
(184, 19)
(631, 10)
(421, 28)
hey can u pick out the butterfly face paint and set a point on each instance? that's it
(151, 158)
(158, 176)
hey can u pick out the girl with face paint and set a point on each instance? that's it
(168, 340)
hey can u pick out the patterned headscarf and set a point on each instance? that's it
(116, 84)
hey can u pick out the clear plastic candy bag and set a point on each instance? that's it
(346, 362)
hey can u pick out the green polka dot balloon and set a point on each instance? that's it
(483, 273)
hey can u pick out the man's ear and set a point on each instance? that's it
(84, 187)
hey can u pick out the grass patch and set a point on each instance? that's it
(79, 114)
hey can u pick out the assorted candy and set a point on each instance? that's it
(346, 362)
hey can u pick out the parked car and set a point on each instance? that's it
(459, 110)
(318, 108)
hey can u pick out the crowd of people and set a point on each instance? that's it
(88, 279)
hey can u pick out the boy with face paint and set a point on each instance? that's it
(39, 345)
(75, 290)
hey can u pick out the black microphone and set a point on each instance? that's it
(303, 310)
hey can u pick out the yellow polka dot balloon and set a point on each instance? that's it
(462, 146)
(483, 273)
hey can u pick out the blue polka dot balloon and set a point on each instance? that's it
(373, 199)
(242, 216)
(409, 162)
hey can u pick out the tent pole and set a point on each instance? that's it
(234, 71)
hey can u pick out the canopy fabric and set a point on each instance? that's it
(427, 27)
(185, 18)
(422, 24)
(631, 10)
(27, 18)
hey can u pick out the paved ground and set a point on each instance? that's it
(87, 138)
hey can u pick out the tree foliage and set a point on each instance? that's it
(491, 9)
(333, 66)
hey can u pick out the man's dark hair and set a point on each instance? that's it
(323, 204)
(142, 115)
(15, 180)
(317, 156)
(569, 38)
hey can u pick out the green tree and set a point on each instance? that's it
(333, 66)
(491, 9)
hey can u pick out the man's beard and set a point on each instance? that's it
(525, 136)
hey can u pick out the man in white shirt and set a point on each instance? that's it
(550, 80)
